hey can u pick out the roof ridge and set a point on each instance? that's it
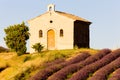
(74, 17)
(71, 16)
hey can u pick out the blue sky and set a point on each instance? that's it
(104, 15)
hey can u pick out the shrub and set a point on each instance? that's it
(38, 47)
(16, 36)
(76, 47)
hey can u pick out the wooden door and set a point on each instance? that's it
(51, 39)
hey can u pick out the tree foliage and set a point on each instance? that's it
(38, 47)
(16, 36)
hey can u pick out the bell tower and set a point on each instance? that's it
(51, 7)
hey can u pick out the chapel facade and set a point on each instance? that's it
(57, 30)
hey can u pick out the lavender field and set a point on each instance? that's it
(104, 65)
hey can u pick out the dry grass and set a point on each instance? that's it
(22, 67)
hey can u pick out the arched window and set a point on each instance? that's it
(61, 32)
(40, 33)
(50, 8)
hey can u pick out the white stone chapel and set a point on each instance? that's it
(57, 30)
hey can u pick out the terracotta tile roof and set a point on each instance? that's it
(72, 16)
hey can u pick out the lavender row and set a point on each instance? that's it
(89, 69)
(103, 73)
(57, 61)
(45, 73)
(62, 74)
(115, 75)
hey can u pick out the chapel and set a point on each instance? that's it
(57, 30)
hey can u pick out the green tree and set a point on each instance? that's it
(38, 47)
(16, 36)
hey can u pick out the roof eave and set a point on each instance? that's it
(88, 22)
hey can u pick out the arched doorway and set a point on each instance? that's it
(51, 39)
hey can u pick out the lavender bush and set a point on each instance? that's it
(87, 70)
(45, 73)
(106, 70)
(115, 75)
(62, 74)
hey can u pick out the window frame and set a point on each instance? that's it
(40, 33)
(61, 33)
